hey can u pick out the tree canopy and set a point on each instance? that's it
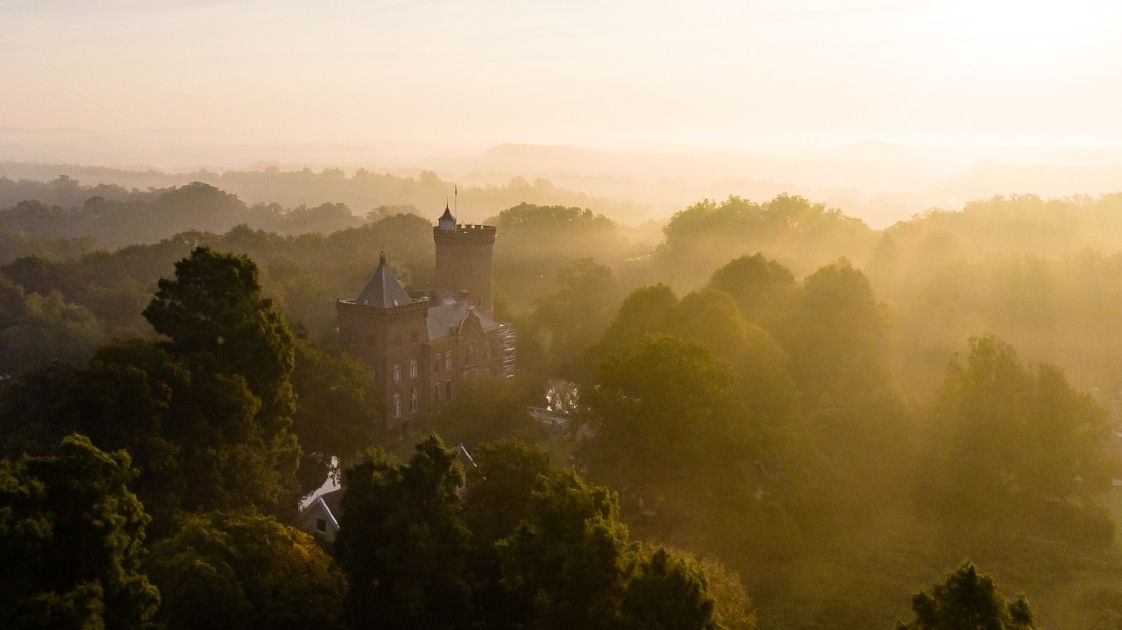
(235, 570)
(71, 536)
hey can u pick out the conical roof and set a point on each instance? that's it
(446, 220)
(383, 290)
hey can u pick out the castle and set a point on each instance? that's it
(421, 346)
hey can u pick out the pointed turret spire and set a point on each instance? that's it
(447, 221)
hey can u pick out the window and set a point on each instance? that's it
(413, 401)
(397, 372)
(397, 405)
(469, 356)
(448, 390)
(439, 393)
(412, 368)
(448, 360)
(438, 362)
(321, 525)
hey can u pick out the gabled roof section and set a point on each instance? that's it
(383, 290)
(446, 317)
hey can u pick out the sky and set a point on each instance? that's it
(620, 74)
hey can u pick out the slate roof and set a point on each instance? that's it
(449, 314)
(383, 290)
(446, 220)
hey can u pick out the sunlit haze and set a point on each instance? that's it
(846, 101)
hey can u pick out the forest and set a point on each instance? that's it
(778, 417)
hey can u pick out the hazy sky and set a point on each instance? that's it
(615, 73)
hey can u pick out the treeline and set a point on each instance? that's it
(112, 217)
(362, 190)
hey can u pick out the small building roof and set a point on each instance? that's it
(383, 290)
(448, 314)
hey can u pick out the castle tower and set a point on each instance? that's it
(464, 261)
(387, 329)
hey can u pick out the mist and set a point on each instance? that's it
(491, 314)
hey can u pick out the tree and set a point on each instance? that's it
(968, 599)
(498, 497)
(568, 561)
(402, 541)
(643, 312)
(72, 535)
(338, 411)
(730, 598)
(213, 313)
(237, 570)
(1015, 443)
(668, 591)
(486, 409)
(38, 329)
(220, 326)
(836, 337)
(668, 412)
(763, 289)
(711, 318)
(577, 313)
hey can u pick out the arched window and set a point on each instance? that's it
(413, 401)
(397, 372)
(397, 405)
(469, 356)
(448, 359)
(412, 368)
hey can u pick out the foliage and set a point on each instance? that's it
(338, 410)
(36, 329)
(667, 411)
(219, 323)
(1013, 441)
(71, 535)
(497, 499)
(568, 560)
(968, 599)
(402, 541)
(236, 570)
(836, 338)
(486, 409)
(802, 234)
(577, 313)
(763, 289)
(668, 591)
